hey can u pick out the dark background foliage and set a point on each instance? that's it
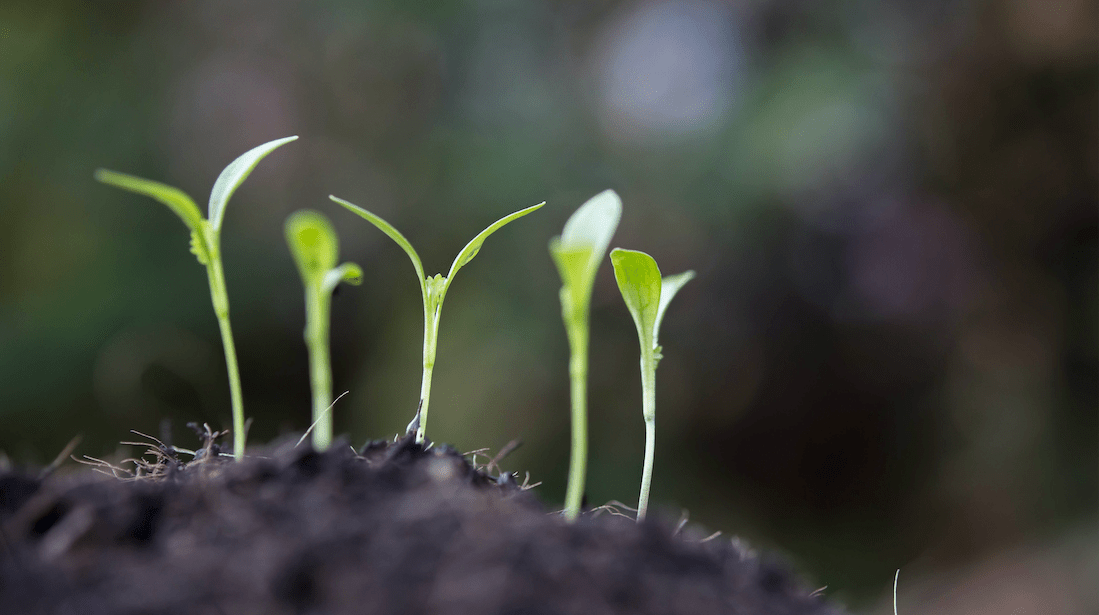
(888, 359)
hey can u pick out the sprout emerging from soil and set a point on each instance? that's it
(206, 246)
(578, 251)
(316, 249)
(433, 290)
(647, 296)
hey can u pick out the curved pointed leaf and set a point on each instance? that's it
(174, 198)
(669, 286)
(584, 240)
(313, 243)
(639, 281)
(348, 272)
(474, 246)
(234, 175)
(393, 233)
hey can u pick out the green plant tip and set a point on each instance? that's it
(433, 291)
(206, 246)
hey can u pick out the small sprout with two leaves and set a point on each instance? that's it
(647, 296)
(433, 291)
(206, 246)
(578, 252)
(315, 248)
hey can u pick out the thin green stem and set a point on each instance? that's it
(431, 341)
(220, 298)
(577, 328)
(648, 392)
(316, 338)
(425, 396)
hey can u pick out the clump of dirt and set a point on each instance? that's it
(392, 529)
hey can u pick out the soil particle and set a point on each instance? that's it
(392, 529)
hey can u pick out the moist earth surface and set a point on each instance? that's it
(393, 528)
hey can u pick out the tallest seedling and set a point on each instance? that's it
(433, 290)
(578, 252)
(206, 246)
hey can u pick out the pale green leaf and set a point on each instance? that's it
(347, 272)
(587, 233)
(174, 198)
(639, 281)
(233, 176)
(393, 233)
(573, 265)
(313, 244)
(669, 286)
(474, 246)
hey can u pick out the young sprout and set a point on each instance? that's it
(433, 290)
(647, 296)
(315, 248)
(206, 246)
(578, 251)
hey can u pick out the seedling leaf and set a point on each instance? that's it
(393, 233)
(669, 286)
(313, 243)
(594, 222)
(584, 241)
(174, 198)
(639, 280)
(347, 272)
(474, 246)
(234, 175)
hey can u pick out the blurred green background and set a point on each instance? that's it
(888, 359)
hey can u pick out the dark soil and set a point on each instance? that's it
(396, 529)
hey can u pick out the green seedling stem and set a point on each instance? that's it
(577, 252)
(206, 246)
(315, 247)
(433, 290)
(647, 297)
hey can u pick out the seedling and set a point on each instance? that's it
(433, 290)
(647, 296)
(896, 578)
(315, 247)
(578, 251)
(206, 246)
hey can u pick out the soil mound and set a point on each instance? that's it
(394, 529)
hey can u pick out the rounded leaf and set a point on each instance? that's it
(583, 242)
(313, 244)
(638, 279)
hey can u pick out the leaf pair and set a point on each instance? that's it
(204, 232)
(646, 294)
(206, 246)
(433, 291)
(315, 248)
